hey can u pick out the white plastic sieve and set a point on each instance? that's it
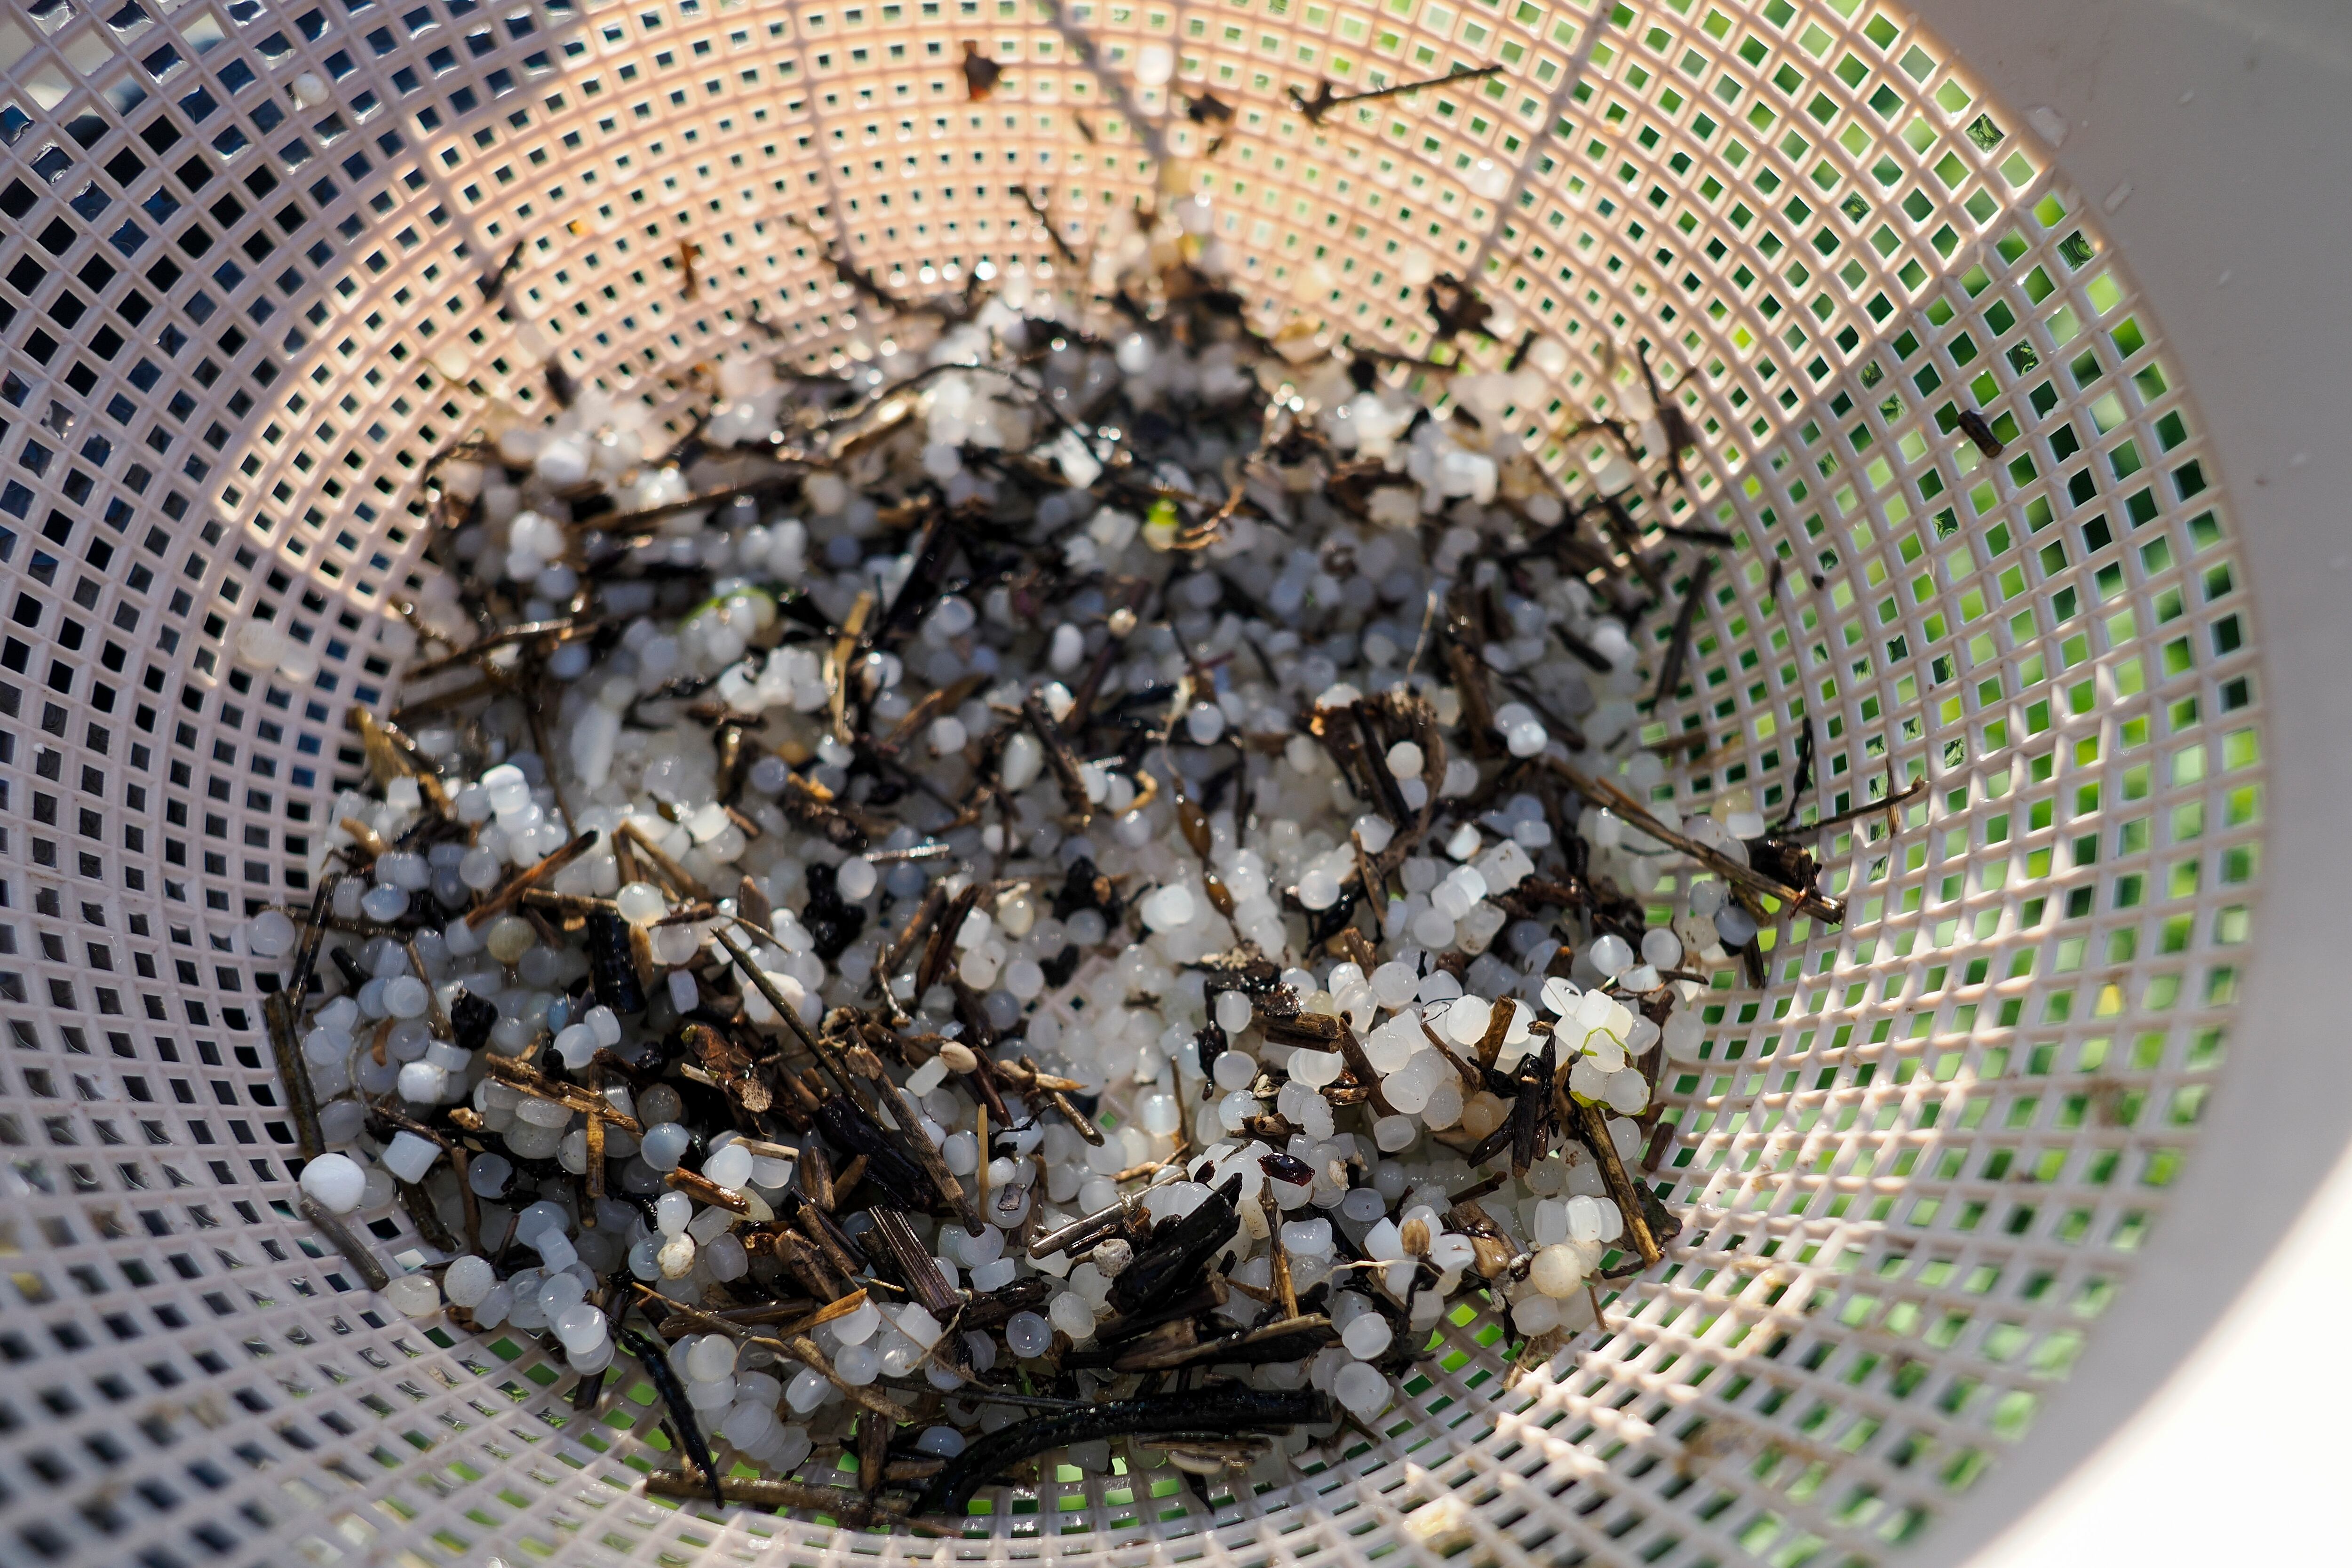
(243, 307)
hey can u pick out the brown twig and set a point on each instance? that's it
(1622, 1190)
(563, 630)
(837, 663)
(524, 1076)
(861, 1395)
(355, 1251)
(1283, 1289)
(302, 1099)
(646, 519)
(1053, 1091)
(1802, 900)
(524, 880)
(535, 718)
(1670, 673)
(682, 882)
(835, 1502)
(1868, 809)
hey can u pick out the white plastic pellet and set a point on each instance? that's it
(729, 1166)
(712, 1356)
(336, 1182)
(1362, 1389)
(414, 1295)
(469, 1280)
(1368, 1336)
(408, 1156)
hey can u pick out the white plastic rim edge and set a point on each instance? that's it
(2222, 127)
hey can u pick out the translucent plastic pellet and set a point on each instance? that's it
(1362, 1389)
(579, 1326)
(269, 934)
(807, 1390)
(1368, 1336)
(381, 903)
(729, 1166)
(1070, 1313)
(749, 1426)
(488, 1174)
(857, 1363)
(469, 1280)
(641, 903)
(713, 1356)
(1234, 1070)
(1307, 1238)
(900, 1355)
(1610, 954)
(1234, 1011)
(792, 1447)
(409, 1157)
(1557, 1271)
(413, 1295)
(559, 1290)
(665, 1144)
(856, 1327)
(1028, 1334)
(492, 1309)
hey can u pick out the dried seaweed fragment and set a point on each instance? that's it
(729, 1065)
(1179, 1249)
(656, 1361)
(1225, 1410)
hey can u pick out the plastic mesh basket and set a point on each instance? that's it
(1916, 1169)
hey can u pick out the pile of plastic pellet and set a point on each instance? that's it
(1079, 861)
